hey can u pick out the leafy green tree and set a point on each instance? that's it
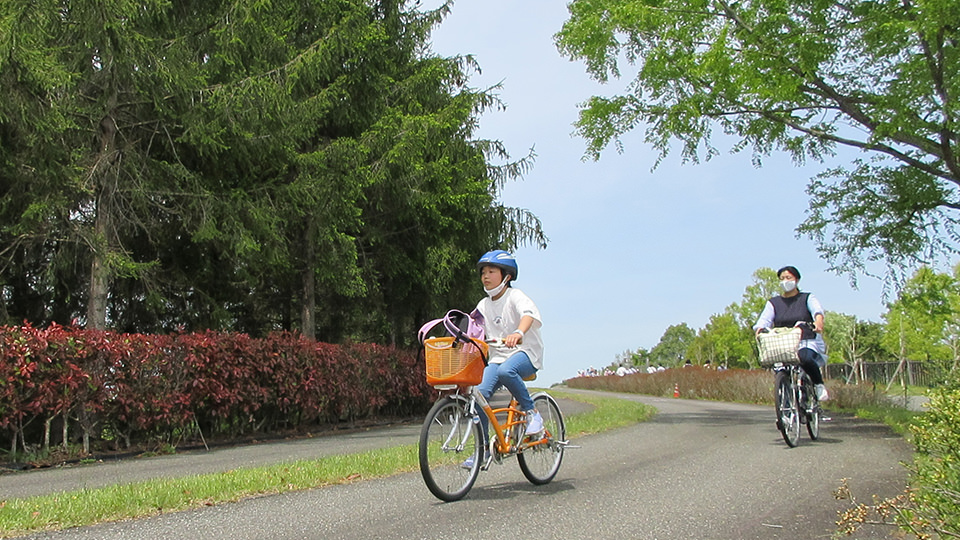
(952, 327)
(870, 334)
(728, 337)
(637, 358)
(840, 333)
(673, 345)
(803, 77)
(918, 321)
(640, 357)
(722, 341)
(765, 285)
(854, 342)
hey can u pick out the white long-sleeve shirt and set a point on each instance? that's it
(813, 305)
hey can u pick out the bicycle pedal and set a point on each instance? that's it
(486, 463)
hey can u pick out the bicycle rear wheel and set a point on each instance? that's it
(540, 463)
(788, 410)
(810, 406)
(450, 449)
(813, 416)
(813, 423)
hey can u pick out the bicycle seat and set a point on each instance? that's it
(531, 378)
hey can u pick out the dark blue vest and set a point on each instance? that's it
(787, 312)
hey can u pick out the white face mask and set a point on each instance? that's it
(788, 285)
(496, 290)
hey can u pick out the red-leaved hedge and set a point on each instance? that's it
(135, 389)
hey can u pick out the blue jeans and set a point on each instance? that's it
(509, 374)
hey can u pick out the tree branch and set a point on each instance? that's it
(851, 107)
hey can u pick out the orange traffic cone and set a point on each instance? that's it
(676, 390)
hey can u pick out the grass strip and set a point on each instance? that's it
(608, 413)
(898, 418)
(154, 497)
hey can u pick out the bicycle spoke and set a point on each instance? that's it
(448, 440)
(788, 411)
(541, 460)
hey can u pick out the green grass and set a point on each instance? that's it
(608, 413)
(898, 418)
(85, 507)
(127, 501)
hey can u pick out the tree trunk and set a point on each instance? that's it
(98, 291)
(46, 433)
(4, 316)
(106, 174)
(308, 302)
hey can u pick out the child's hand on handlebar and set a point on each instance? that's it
(512, 340)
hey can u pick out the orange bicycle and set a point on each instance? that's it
(451, 450)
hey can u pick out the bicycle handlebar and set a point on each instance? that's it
(499, 341)
(800, 324)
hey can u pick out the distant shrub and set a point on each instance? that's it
(855, 396)
(740, 385)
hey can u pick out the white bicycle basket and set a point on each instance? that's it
(779, 346)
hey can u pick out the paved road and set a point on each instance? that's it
(698, 470)
(129, 470)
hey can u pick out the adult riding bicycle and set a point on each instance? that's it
(795, 398)
(451, 450)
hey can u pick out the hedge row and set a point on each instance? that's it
(135, 389)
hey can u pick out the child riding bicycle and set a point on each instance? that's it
(511, 319)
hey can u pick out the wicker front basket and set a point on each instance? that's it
(450, 362)
(779, 346)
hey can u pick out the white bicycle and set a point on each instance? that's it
(794, 396)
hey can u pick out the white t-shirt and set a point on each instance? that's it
(502, 318)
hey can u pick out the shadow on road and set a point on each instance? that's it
(509, 490)
(715, 418)
(846, 425)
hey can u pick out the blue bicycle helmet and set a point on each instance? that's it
(502, 260)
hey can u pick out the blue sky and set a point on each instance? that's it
(632, 251)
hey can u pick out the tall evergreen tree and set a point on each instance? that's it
(225, 165)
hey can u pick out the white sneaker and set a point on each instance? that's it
(822, 394)
(468, 464)
(534, 422)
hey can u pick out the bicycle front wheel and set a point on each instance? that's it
(540, 463)
(450, 449)
(788, 410)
